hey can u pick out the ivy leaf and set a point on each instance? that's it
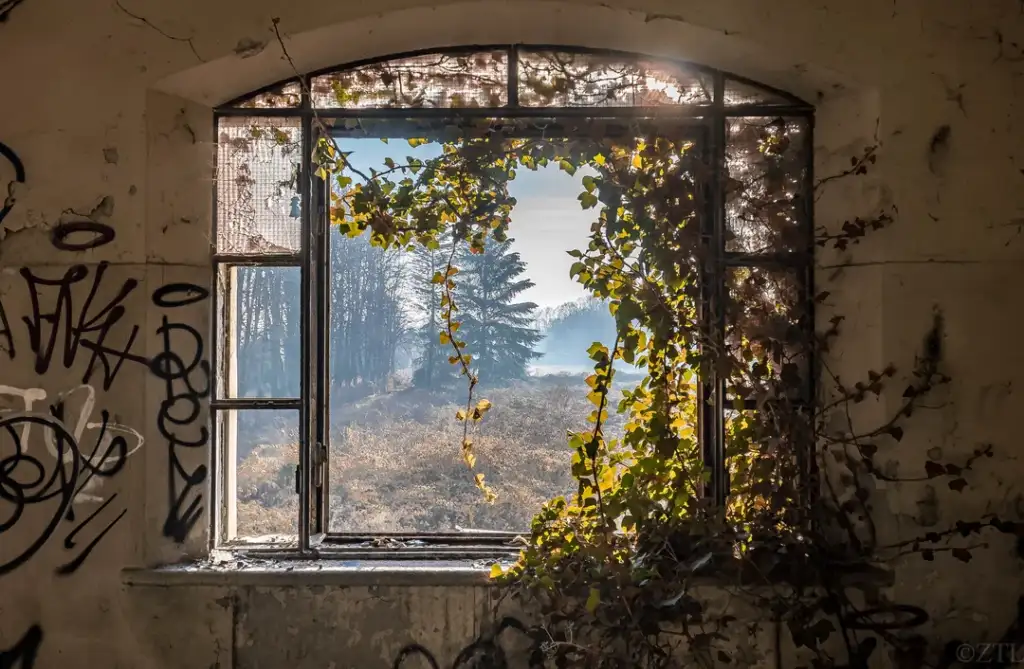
(496, 571)
(962, 554)
(593, 600)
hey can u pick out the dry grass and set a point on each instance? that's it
(395, 464)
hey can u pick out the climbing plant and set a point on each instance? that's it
(614, 572)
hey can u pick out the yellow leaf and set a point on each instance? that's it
(496, 570)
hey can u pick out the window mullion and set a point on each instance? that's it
(320, 484)
(307, 417)
(712, 406)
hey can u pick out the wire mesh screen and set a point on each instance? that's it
(435, 80)
(766, 161)
(285, 96)
(742, 93)
(258, 201)
(565, 79)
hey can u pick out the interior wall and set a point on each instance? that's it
(106, 127)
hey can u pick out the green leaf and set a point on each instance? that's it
(593, 600)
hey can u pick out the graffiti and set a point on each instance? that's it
(69, 542)
(68, 476)
(5, 333)
(484, 651)
(186, 378)
(22, 655)
(87, 328)
(98, 234)
(19, 168)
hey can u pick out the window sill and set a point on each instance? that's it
(246, 569)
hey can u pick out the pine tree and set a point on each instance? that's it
(495, 327)
(432, 367)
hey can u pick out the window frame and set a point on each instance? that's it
(314, 537)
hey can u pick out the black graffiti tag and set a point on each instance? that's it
(86, 328)
(26, 480)
(95, 235)
(22, 655)
(187, 382)
(19, 177)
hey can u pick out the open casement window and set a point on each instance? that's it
(335, 405)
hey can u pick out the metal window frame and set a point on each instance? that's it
(315, 538)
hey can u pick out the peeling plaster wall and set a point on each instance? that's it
(106, 126)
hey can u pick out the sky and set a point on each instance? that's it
(546, 222)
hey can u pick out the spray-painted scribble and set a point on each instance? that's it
(69, 541)
(6, 336)
(22, 655)
(81, 235)
(186, 375)
(104, 446)
(87, 328)
(484, 651)
(53, 455)
(20, 488)
(19, 178)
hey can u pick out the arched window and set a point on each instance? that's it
(335, 400)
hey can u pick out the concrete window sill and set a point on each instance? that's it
(249, 571)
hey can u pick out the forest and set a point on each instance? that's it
(395, 462)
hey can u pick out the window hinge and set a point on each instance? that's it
(319, 462)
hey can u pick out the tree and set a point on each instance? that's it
(367, 319)
(571, 328)
(495, 328)
(432, 367)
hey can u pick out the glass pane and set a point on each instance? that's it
(264, 446)
(764, 333)
(766, 163)
(286, 96)
(395, 460)
(744, 93)
(261, 309)
(561, 79)
(433, 80)
(258, 202)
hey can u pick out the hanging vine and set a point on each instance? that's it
(614, 572)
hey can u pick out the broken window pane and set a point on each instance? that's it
(261, 331)
(564, 79)
(258, 203)
(264, 445)
(433, 81)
